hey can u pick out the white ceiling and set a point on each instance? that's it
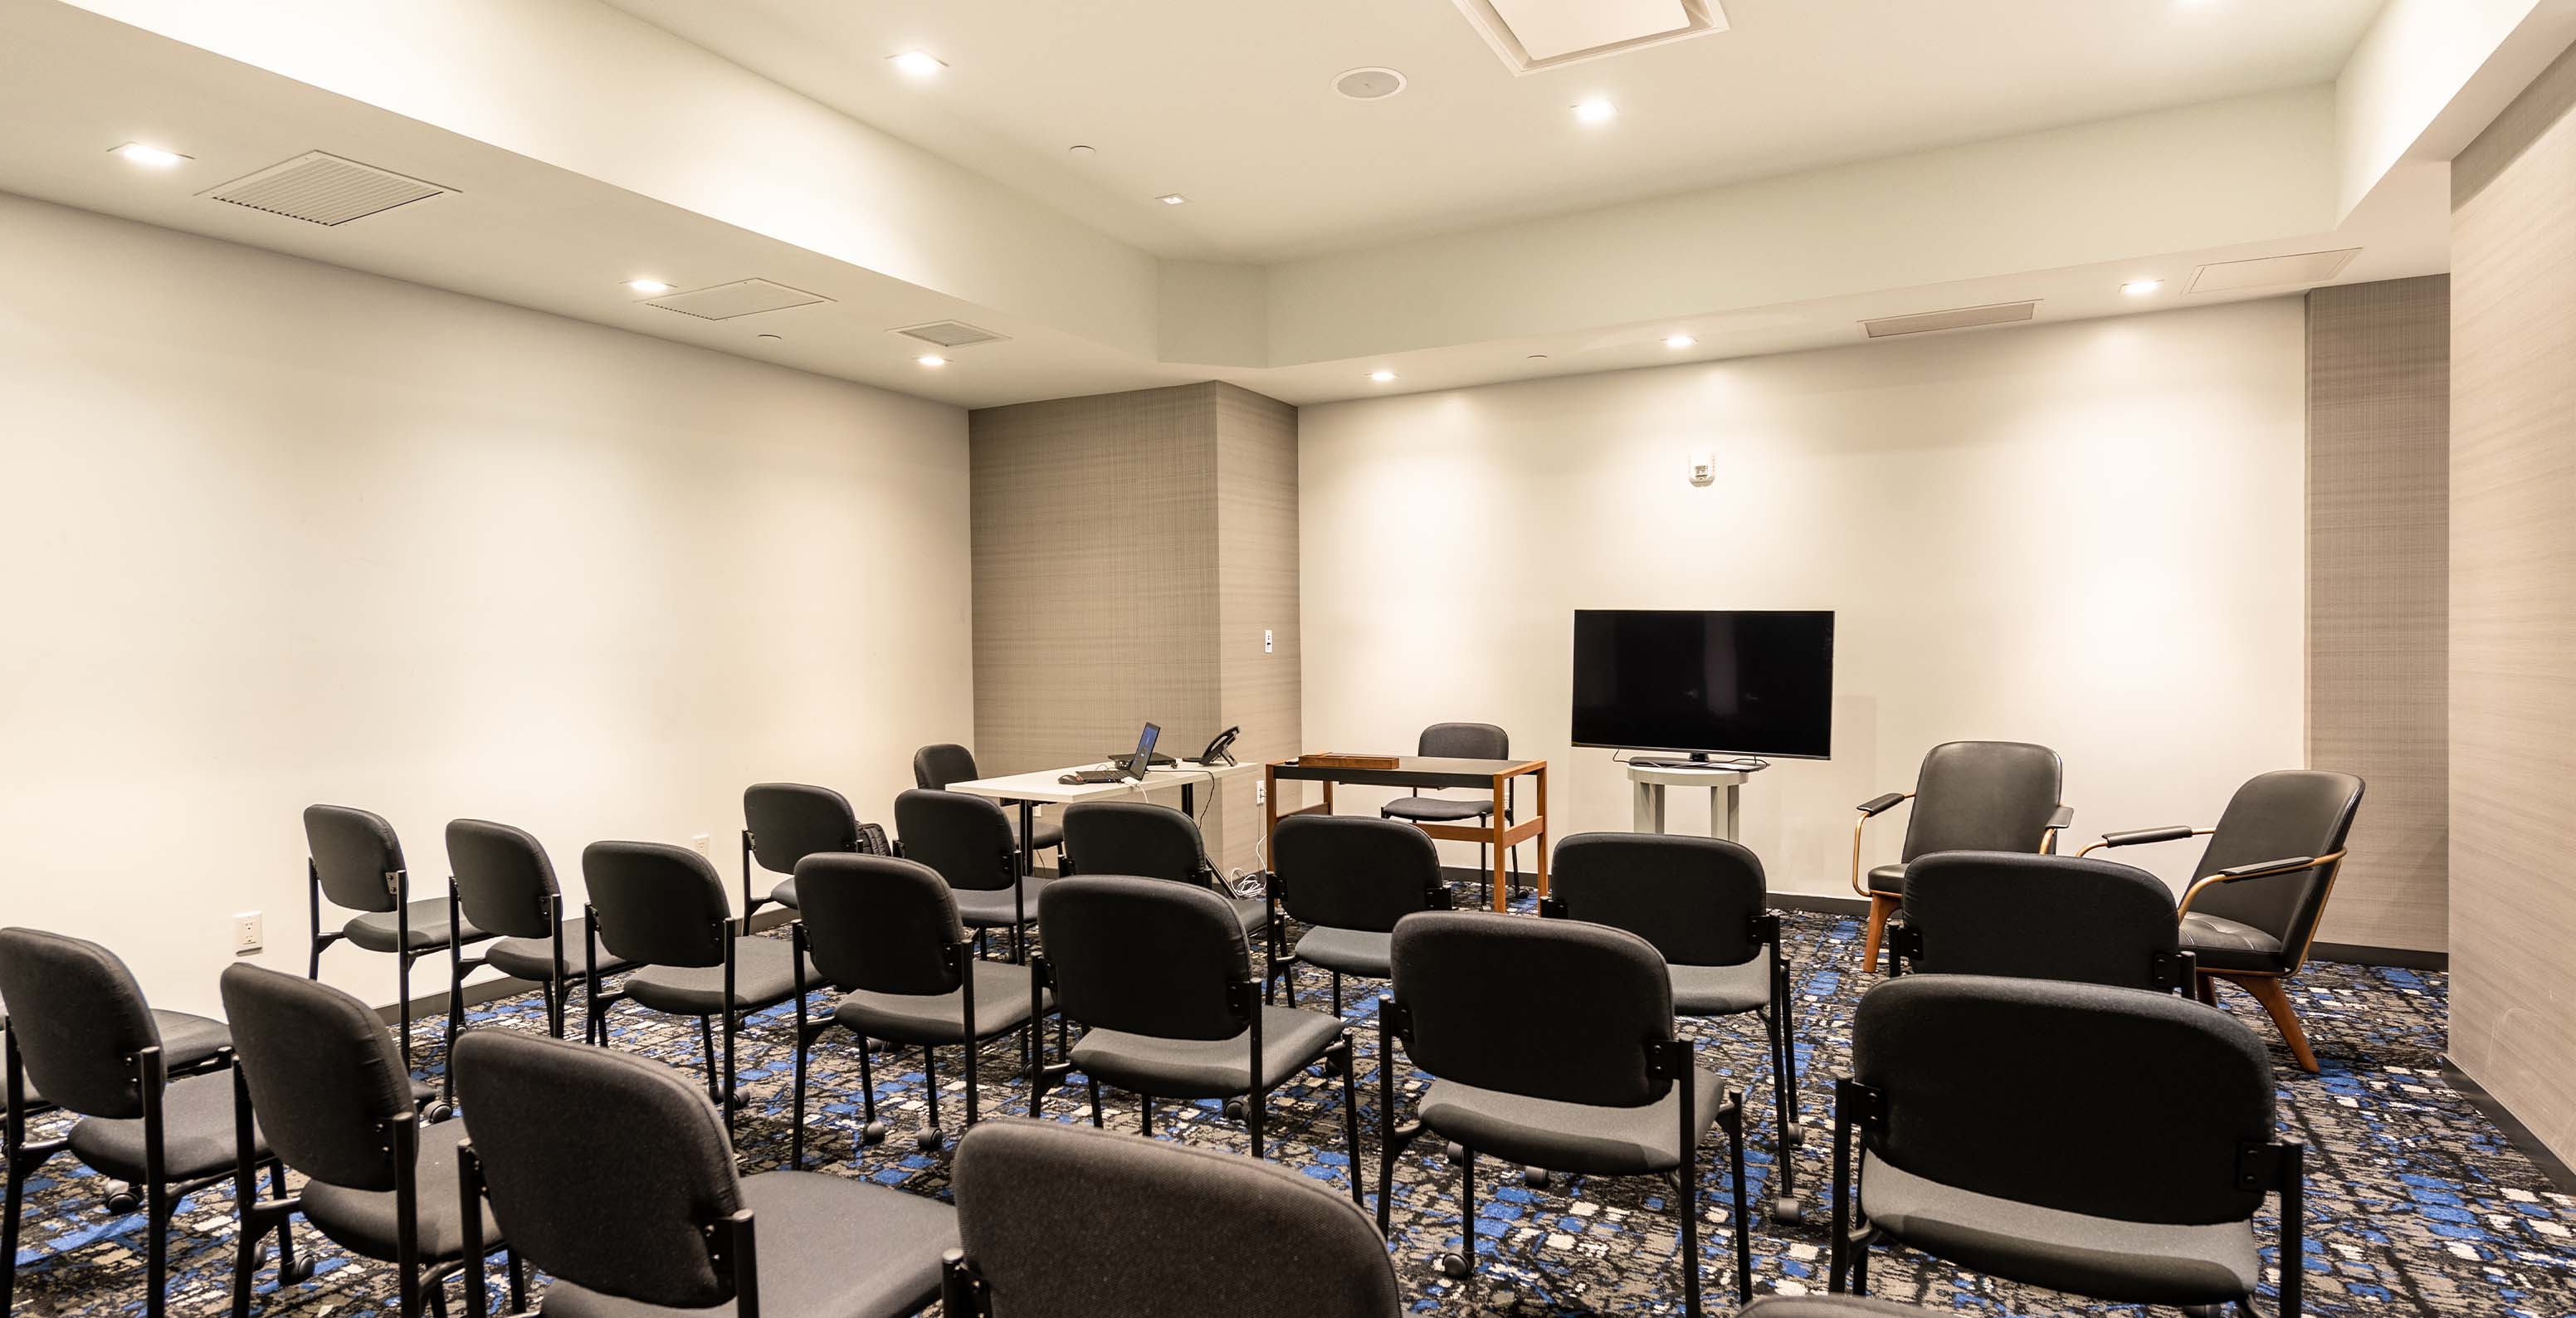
(1231, 104)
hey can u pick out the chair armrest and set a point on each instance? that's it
(2259, 869)
(1882, 804)
(2062, 817)
(2137, 837)
(1870, 809)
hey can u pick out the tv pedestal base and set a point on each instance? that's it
(1724, 815)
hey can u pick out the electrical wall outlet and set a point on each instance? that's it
(1261, 793)
(704, 844)
(1265, 640)
(249, 933)
(1704, 469)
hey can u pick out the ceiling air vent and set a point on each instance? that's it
(2000, 313)
(951, 334)
(321, 188)
(2271, 271)
(742, 297)
(1531, 35)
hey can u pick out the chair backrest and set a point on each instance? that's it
(1694, 898)
(603, 1169)
(1553, 1009)
(2135, 1106)
(657, 905)
(1352, 871)
(1147, 956)
(1465, 741)
(879, 923)
(1138, 838)
(966, 838)
(79, 1019)
(323, 1074)
(1292, 1249)
(353, 850)
(1983, 796)
(2278, 816)
(935, 767)
(790, 821)
(2040, 917)
(504, 880)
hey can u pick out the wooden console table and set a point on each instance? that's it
(1420, 771)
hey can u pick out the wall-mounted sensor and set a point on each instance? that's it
(1704, 469)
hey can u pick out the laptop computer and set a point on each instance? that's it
(1132, 768)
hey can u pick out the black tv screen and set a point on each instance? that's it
(1740, 683)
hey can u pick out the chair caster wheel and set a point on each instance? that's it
(120, 1198)
(438, 1111)
(301, 1272)
(1534, 1177)
(1334, 1066)
(927, 1141)
(1788, 1212)
(1234, 1109)
(1453, 1266)
(872, 1133)
(1457, 1152)
(1797, 1135)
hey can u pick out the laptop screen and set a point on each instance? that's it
(1144, 750)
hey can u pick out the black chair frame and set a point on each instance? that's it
(1436, 896)
(398, 883)
(730, 1247)
(720, 1082)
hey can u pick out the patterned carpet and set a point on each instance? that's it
(2417, 1204)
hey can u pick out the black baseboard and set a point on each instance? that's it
(2516, 1133)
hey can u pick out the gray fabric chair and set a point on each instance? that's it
(1145, 840)
(783, 823)
(2261, 886)
(1291, 1250)
(1704, 905)
(1461, 741)
(885, 933)
(1552, 1043)
(355, 860)
(1968, 796)
(2039, 917)
(501, 881)
(612, 1177)
(2101, 1141)
(1348, 879)
(969, 842)
(662, 909)
(935, 768)
(335, 1102)
(1161, 979)
(77, 1028)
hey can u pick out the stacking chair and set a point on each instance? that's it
(1704, 904)
(1348, 879)
(2101, 1141)
(78, 1029)
(1461, 741)
(356, 861)
(968, 841)
(2261, 886)
(783, 823)
(1160, 976)
(1148, 841)
(611, 1176)
(2039, 917)
(1552, 1043)
(335, 1101)
(935, 768)
(885, 933)
(1969, 796)
(502, 882)
(663, 909)
(1291, 1250)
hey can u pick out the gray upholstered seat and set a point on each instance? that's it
(363, 1221)
(186, 1041)
(1888, 879)
(197, 1139)
(1830, 1306)
(764, 976)
(2149, 1262)
(1571, 1137)
(2224, 944)
(1291, 1040)
(377, 932)
(1347, 951)
(1438, 809)
(996, 908)
(1001, 1003)
(1721, 990)
(531, 958)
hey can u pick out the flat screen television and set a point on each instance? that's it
(1734, 682)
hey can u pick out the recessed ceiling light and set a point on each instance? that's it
(1679, 341)
(1171, 199)
(1596, 112)
(918, 63)
(1371, 84)
(931, 359)
(1382, 377)
(2141, 287)
(149, 155)
(649, 287)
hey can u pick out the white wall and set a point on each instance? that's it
(2087, 535)
(276, 533)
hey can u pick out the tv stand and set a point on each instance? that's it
(1723, 779)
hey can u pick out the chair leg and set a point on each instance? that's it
(402, 993)
(707, 1051)
(1881, 906)
(1351, 1119)
(16, 1201)
(1689, 1194)
(1462, 1265)
(1337, 993)
(1095, 1101)
(2276, 1001)
(156, 1249)
(1784, 1117)
(930, 1138)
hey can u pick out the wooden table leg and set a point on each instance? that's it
(1542, 831)
(1328, 796)
(1502, 825)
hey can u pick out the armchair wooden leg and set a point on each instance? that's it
(1881, 906)
(2276, 1001)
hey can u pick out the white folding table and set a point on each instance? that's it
(1028, 791)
